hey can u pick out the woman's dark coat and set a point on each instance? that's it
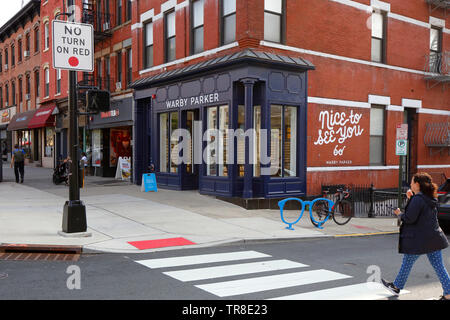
(420, 232)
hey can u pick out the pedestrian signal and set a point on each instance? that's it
(97, 100)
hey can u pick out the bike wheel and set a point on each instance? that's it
(320, 211)
(342, 212)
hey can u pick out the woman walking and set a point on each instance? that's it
(420, 234)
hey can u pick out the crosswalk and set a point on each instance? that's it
(233, 264)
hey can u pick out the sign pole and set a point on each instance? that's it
(74, 214)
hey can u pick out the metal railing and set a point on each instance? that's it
(367, 201)
(437, 134)
(438, 63)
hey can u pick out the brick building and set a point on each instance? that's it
(335, 77)
(20, 49)
(329, 80)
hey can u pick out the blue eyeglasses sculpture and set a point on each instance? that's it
(318, 224)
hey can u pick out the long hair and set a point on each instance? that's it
(427, 186)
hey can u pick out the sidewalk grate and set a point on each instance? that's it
(21, 252)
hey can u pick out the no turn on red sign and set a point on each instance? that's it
(73, 46)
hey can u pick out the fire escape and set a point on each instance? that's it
(438, 4)
(102, 23)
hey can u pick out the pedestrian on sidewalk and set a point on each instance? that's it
(420, 234)
(84, 164)
(18, 159)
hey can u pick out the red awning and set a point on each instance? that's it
(43, 118)
(20, 120)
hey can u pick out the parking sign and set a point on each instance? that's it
(73, 46)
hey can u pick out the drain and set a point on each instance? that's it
(3, 276)
(20, 252)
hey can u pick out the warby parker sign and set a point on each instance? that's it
(192, 101)
(73, 46)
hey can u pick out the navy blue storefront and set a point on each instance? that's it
(260, 93)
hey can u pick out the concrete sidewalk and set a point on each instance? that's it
(119, 213)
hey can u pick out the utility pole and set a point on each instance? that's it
(68, 57)
(74, 214)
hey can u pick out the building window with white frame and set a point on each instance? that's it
(47, 82)
(58, 81)
(148, 38)
(46, 36)
(228, 21)
(197, 21)
(170, 39)
(377, 135)
(378, 49)
(435, 49)
(274, 20)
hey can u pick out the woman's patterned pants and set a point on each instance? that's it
(436, 261)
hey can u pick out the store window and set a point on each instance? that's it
(256, 141)
(228, 21)
(197, 26)
(97, 148)
(273, 20)
(49, 142)
(377, 132)
(216, 132)
(283, 138)
(168, 142)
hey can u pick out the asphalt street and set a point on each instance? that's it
(121, 277)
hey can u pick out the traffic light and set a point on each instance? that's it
(97, 100)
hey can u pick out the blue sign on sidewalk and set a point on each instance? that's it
(149, 182)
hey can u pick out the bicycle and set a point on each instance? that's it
(341, 210)
(311, 204)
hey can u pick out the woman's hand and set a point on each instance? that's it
(409, 193)
(397, 211)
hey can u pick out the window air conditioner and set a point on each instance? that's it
(106, 26)
(6, 67)
(118, 85)
(26, 54)
(27, 96)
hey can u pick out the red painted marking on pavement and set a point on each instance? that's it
(160, 243)
(361, 227)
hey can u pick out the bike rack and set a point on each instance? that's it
(303, 203)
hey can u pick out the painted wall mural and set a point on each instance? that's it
(336, 135)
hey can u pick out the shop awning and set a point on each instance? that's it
(20, 120)
(44, 117)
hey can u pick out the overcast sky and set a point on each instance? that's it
(9, 8)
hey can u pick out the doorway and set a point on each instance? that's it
(410, 161)
(190, 170)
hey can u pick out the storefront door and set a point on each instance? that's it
(190, 169)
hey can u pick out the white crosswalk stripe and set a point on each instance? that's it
(199, 259)
(237, 287)
(254, 283)
(233, 270)
(360, 291)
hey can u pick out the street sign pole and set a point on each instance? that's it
(73, 50)
(74, 214)
(401, 149)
